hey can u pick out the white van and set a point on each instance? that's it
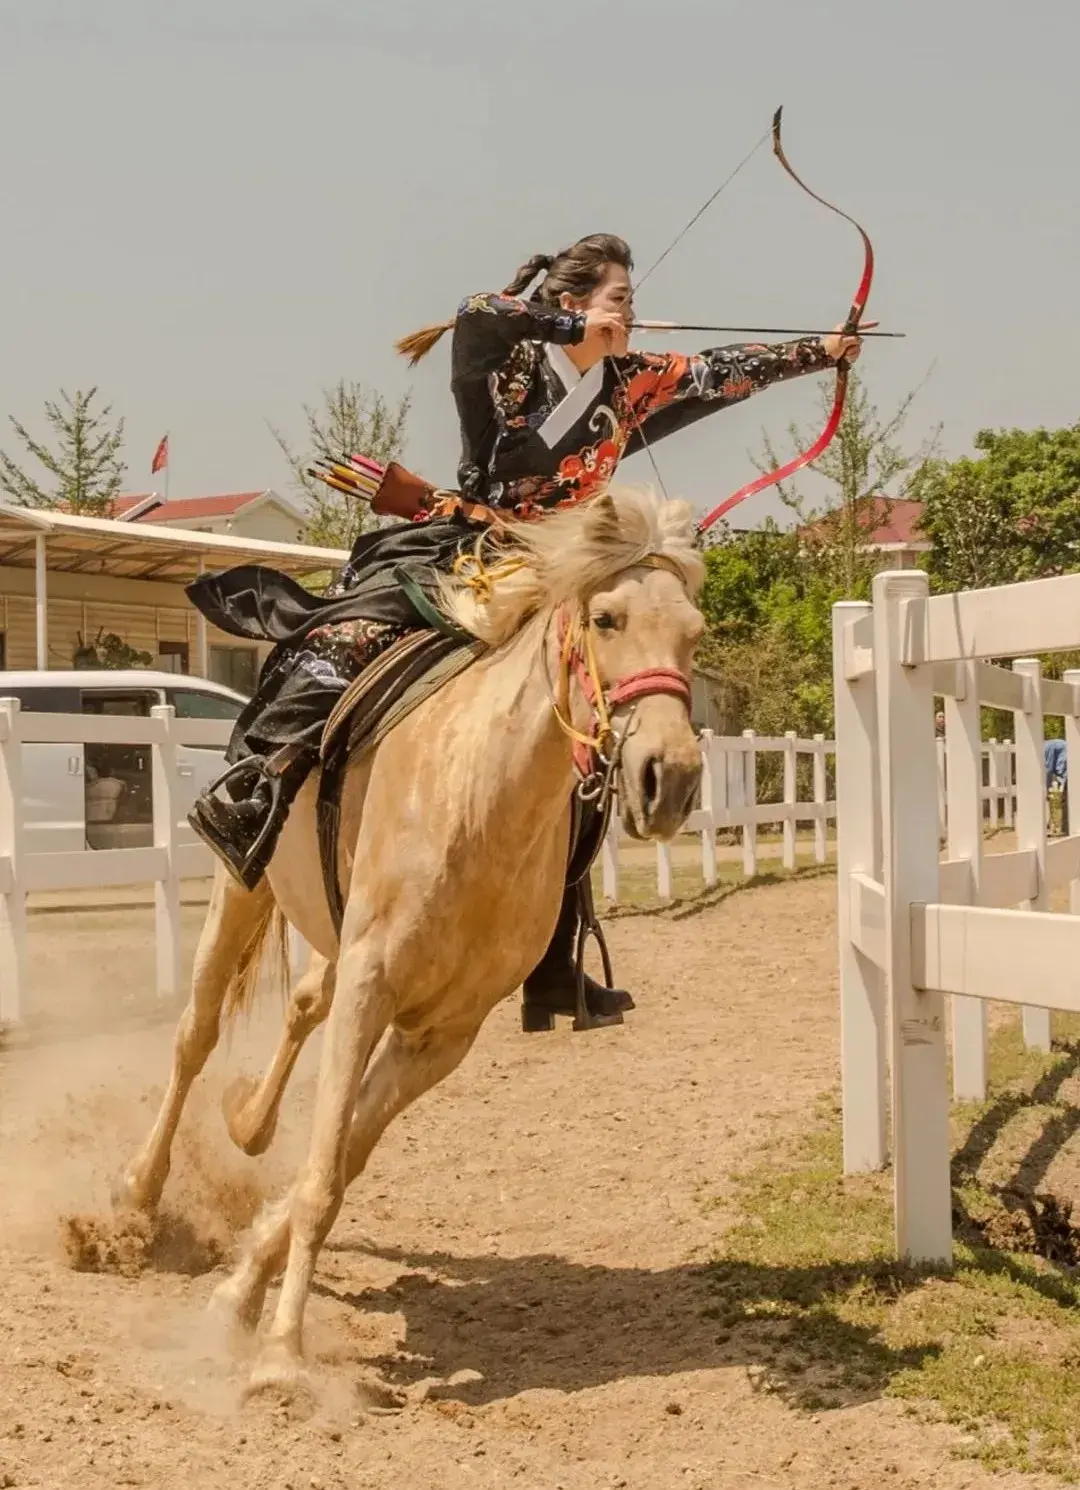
(99, 796)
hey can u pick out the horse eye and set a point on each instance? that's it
(604, 621)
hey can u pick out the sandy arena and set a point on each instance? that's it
(513, 1292)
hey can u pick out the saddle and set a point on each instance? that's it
(412, 669)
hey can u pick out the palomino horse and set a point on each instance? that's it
(454, 834)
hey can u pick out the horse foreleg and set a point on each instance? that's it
(405, 1067)
(251, 1107)
(232, 920)
(358, 1016)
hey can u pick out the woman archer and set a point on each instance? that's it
(549, 399)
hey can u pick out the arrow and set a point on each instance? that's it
(749, 330)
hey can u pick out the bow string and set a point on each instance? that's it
(850, 327)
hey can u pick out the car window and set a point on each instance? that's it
(44, 700)
(190, 704)
(133, 702)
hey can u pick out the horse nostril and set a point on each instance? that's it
(652, 780)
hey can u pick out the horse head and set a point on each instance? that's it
(612, 583)
(634, 636)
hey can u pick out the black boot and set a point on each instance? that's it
(551, 988)
(244, 831)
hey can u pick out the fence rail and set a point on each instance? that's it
(164, 864)
(916, 927)
(729, 800)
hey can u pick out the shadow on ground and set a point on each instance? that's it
(544, 1323)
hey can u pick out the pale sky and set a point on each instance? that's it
(211, 208)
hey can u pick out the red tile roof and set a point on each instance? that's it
(183, 508)
(887, 522)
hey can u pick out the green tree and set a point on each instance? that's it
(740, 573)
(864, 461)
(768, 595)
(351, 420)
(767, 601)
(1011, 513)
(83, 459)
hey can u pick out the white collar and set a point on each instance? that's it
(564, 369)
(581, 391)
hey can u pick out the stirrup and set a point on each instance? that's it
(273, 781)
(588, 927)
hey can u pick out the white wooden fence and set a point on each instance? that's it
(729, 800)
(998, 778)
(912, 927)
(166, 863)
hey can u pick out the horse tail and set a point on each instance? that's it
(268, 942)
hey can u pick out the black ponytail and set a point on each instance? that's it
(537, 265)
(576, 272)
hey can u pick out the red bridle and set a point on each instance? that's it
(625, 690)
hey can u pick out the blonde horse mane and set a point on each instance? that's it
(565, 557)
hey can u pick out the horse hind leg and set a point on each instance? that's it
(402, 1070)
(251, 1106)
(238, 923)
(358, 1016)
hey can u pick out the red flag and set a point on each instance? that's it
(161, 456)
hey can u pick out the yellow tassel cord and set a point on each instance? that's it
(482, 578)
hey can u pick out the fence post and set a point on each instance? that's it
(1031, 813)
(663, 870)
(749, 837)
(13, 971)
(708, 797)
(858, 851)
(993, 782)
(609, 859)
(909, 816)
(821, 822)
(722, 783)
(791, 797)
(166, 889)
(1008, 754)
(1072, 775)
(963, 750)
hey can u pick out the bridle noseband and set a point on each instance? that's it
(597, 755)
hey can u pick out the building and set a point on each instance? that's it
(251, 514)
(890, 529)
(66, 582)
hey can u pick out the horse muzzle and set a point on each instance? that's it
(660, 770)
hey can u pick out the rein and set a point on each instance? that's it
(577, 659)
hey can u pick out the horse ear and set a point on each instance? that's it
(603, 520)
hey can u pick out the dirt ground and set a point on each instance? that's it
(517, 1279)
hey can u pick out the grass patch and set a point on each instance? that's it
(806, 1283)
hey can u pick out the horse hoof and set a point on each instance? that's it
(126, 1195)
(251, 1141)
(229, 1314)
(279, 1369)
